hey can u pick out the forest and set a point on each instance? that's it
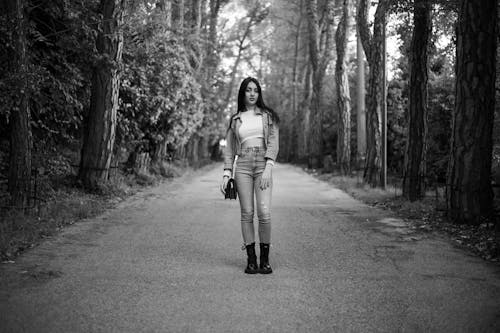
(95, 91)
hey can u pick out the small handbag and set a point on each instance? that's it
(231, 191)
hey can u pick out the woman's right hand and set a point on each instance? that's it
(223, 184)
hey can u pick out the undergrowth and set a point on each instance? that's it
(61, 201)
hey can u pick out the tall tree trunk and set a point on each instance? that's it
(196, 57)
(343, 95)
(416, 144)
(303, 118)
(320, 53)
(374, 47)
(211, 57)
(468, 192)
(20, 127)
(294, 130)
(496, 127)
(360, 104)
(100, 130)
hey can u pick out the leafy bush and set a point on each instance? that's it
(160, 98)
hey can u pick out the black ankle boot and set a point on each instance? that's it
(252, 267)
(265, 267)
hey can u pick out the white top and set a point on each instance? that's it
(251, 126)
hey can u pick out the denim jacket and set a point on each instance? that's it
(233, 145)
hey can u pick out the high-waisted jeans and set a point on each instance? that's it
(249, 168)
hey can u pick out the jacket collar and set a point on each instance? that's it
(258, 111)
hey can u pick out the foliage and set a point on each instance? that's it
(397, 126)
(60, 51)
(441, 94)
(160, 98)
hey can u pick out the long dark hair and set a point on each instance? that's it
(260, 101)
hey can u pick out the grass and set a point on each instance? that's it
(20, 230)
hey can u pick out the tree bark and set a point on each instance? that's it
(100, 130)
(293, 141)
(373, 46)
(469, 194)
(343, 95)
(211, 57)
(195, 39)
(20, 128)
(306, 115)
(319, 58)
(496, 127)
(360, 105)
(415, 157)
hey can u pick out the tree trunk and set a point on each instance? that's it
(319, 56)
(211, 57)
(303, 118)
(361, 109)
(496, 126)
(374, 47)
(343, 95)
(20, 127)
(293, 142)
(196, 57)
(469, 194)
(100, 130)
(416, 144)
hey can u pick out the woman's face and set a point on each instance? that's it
(251, 94)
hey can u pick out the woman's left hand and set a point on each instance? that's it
(267, 177)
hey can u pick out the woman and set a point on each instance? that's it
(253, 136)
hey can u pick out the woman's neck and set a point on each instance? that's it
(251, 108)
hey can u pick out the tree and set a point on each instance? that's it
(211, 59)
(373, 47)
(99, 136)
(343, 95)
(293, 140)
(256, 15)
(360, 103)
(20, 127)
(320, 53)
(415, 157)
(469, 195)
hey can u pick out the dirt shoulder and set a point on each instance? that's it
(427, 215)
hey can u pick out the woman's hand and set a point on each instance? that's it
(223, 184)
(267, 177)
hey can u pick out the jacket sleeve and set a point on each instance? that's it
(273, 141)
(229, 151)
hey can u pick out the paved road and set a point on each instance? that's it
(169, 260)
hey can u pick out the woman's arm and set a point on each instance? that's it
(229, 152)
(273, 140)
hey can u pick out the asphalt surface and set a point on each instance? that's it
(169, 260)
